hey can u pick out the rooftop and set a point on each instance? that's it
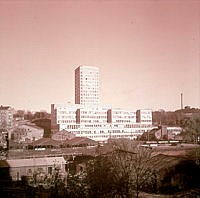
(46, 142)
(72, 142)
(45, 161)
(63, 132)
(80, 141)
(161, 161)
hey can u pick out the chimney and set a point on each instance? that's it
(181, 101)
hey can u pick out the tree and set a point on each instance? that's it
(100, 177)
(76, 186)
(122, 173)
(55, 182)
(191, 129)
(132, 163)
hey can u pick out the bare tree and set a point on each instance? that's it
(132, 163)
(122, 173)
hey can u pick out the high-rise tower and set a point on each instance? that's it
(87, 85)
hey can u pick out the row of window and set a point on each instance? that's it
(93, 121)
(150, 120)
(67, 117)
(86, 73)
(113, 136)
(110, 132)
(123, 121)
(145, 112)
(89, 102)
(89, 97)
(96, 117)
(66, 112)
(137, 126)
(94, 93)
(95, 125)
(93, 112)
(66, 121)
(72, 126)
(124, 117)
(146, 117)
(104, 120)
(88, 84)
(88, 79)
(123, 112)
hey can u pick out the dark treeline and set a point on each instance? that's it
(173, 118)
(28, 115)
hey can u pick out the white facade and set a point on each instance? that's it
(121, 116)
(87, 85)
(124, 124)
(63, 117)
(98, 122)
(92, 121)
(144, 116)
(91, 115)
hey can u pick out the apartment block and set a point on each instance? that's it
(87, 85)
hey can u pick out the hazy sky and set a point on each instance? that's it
(148, 51)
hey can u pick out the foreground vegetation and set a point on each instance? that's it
(129, 170)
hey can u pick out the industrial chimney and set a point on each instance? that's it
(181, 101)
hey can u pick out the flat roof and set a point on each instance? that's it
(45, 161)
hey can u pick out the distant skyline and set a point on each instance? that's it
(148, 52)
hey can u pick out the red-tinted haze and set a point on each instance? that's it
(148, 52)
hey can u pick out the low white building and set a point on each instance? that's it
(98, 122)
(26, 167)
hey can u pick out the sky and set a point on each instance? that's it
(148, 51)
